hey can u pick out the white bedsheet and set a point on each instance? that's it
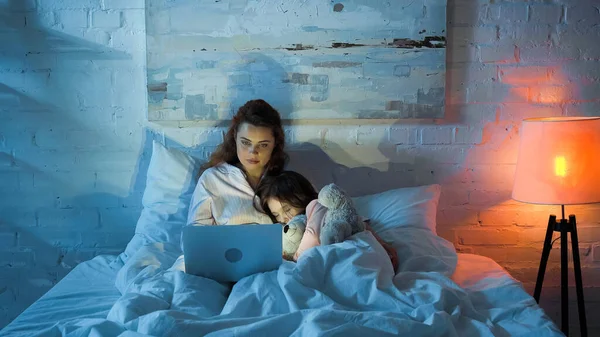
(87, 292)
(476, 272)
(346, 289)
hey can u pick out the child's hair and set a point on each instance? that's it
(289, 187)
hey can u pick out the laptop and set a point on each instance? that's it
(228, 253)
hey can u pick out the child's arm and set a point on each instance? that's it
(314, 219)
(309, 240)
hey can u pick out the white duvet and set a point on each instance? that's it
(347, 289)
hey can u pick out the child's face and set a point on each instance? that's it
(282, 211)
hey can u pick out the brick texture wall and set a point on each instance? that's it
(74, 141)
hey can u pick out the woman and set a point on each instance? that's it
(252, 148)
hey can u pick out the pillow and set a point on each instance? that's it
(170, 183)
(406, 218)
(403, 207)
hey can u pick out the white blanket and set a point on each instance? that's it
(347, 289)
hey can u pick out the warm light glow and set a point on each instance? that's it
(550, 94)
(536, 84)
(560, 166)
(558, 161)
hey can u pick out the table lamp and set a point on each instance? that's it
(558, 164)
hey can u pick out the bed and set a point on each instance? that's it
(347, 289)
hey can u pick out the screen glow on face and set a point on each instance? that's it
(254, 146)
(282, 211)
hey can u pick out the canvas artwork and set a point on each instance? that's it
(311, 59)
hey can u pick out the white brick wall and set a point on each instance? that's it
(106, 19)
(72, 144)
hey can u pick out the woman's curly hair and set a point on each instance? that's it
(258, 113)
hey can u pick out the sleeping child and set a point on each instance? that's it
(289, 194)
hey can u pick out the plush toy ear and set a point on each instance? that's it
(333, 196)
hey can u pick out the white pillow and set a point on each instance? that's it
(170, 183)
(406, 218)
(403, 207)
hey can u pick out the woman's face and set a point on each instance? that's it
(282, 211)
(254, 146)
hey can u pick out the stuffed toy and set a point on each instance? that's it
(292, 235)
(335, 215)
(341, 219)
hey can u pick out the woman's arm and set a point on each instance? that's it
(391, 251)
(200, 212)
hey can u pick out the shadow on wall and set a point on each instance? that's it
(26, 34)
(45, 81)
(459, 54)
(259, 76)
(398, 166)
(52, 119)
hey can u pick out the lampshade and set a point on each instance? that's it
(558, 161)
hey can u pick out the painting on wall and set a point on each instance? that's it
(311, 59)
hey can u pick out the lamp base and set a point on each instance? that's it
(564, 227)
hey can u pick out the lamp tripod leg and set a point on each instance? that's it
(578, 280)
(564, 278)
(545, 254)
